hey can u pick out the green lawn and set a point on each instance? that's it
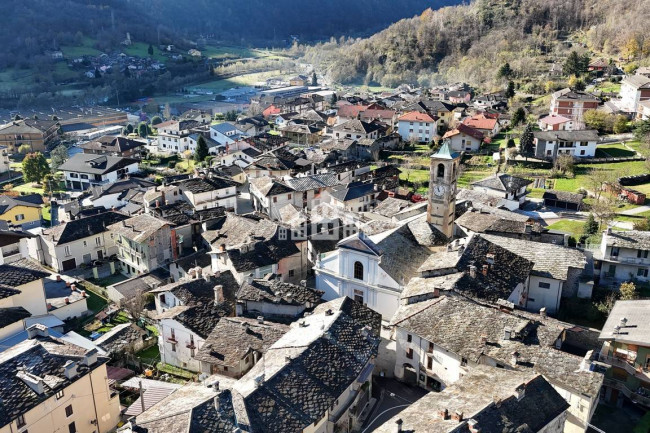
(614, 150)
(140, 49)
(85, 49)
(95, 302)
(28, 188)
(574, 228)
(46, 213)
(582, 172)
(536, 192)
(108, 281)
(150, 353)
(609, 87)
(639, 147)
(15, 79)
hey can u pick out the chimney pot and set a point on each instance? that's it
(260, 319)
(542, 312)
(485, 270)
(443, 414)
(472, 271)
(398, 425)
(457, 416)
(218, 294)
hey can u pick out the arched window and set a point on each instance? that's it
(358, 270)
(441, 170)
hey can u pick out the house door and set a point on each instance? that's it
(87, 258)
(100, 255)
(68, 264)
(410, 376)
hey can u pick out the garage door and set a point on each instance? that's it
(68, 264)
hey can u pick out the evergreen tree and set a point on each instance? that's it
(526, 144)
(574, 64)
(314, 79)
(504, 71)
(129, 129)
(97, 73)
(511, 143)
(519, 116)
(143, 129)
(202, 150)
(156, 120)
(333, 100)
(35, 167)
(510, 91)
(590, 228)
(150, 50)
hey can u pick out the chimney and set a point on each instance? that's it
(90, 358)
(70, 369)
(37, 330)
(472, 271)
(484, 339)
(259, 380)
(457, 416)
(485, 270)
(472, 424)
(218, 294)
(58, 278)
(260, 320)
(34, 382)
(245, 326)
(398, 426)
(529, 228)
(449, 248)
(542, 312)
(443, 414)
(303, 283)
(623, 322)
(514, 358)
(520, 392)
(461, 250)
(436, 292)
(608, 231)
(329, 312)
(507, 333)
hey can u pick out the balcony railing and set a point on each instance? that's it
(631, 394)
(639, 372)
(627, 260)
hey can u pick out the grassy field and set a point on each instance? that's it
(582, 172)
(614, 150)
(85, 49)
(29, 188)
(240, 80)
(609, 87)
(574, 228)
(140, 49)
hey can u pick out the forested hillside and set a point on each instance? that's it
(469, 42)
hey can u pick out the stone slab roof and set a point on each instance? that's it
(636, 327)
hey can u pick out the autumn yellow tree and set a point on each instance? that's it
(631, 48)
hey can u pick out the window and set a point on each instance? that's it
(292, 272)
(20, 421)
(20, 217)
(98, 241)
(441, 171)
(275, 199)
(358, 296)
(409, 338)
(429, 362)
(543, 285)
(430, 348)
(72, 428)
(85, 244)
(67, 250)
(463, 362)
(74, 175)
(642, 273)
(358, 270)
(409, 353)
(59, 395)
(68, 410)
(642, 254)
(615, 251)
(173, 347)
(289, 196)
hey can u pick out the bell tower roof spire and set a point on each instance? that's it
(445, 152)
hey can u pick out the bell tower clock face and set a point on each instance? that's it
(439, 190)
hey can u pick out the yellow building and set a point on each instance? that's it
(53, 386)
(22, 211)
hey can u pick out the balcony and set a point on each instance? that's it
(639, 372)
(627, 392)
(627, 260)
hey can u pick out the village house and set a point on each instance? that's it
(114, 146)
(5, 162)
(116, 194)
(417, 126)
(83, 170)
(643, 111)
(253, 126)
(356, 129)
(555, 122)
(316, 378)
(226, 134)
(464, 138)
(271, 297)
(572, 104)
(236, 344)
(35, 134)
(354, 197)
(626, 348)
(634, 89)
(187, 311)
(44, 377)
(487, 400)
(302, 133)
(488, 125)
(144, 243)
(623, 256)
(251, 246)
(579, 144)
(442, 339)
(23, 211)
(81, 241)
(510, 190)
(210, 192)
(173, 135)
(13, 245)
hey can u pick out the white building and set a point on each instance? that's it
(417, 126)
(510, 190)
(83, 170)
(624, 256)
(371, 270)
(634, 89)
(579, 144)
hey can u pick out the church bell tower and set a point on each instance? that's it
(443, 176)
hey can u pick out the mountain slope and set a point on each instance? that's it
(469, 42)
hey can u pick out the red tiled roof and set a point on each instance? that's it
(271, 110)
(464, 129)
(415, 116)
(351, 110)
(480, 122)
(554, 120)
